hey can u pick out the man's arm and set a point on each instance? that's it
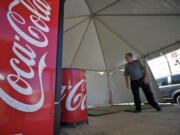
(145, 72)
(126, 75)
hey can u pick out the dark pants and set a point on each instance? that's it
(135, 84)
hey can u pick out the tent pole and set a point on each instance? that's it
(166, 47)
(110, 90)
(105, 63)
(151, 53)
(167, 63)
(57, 109)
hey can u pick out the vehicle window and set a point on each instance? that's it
(162, 81)
(175, 79)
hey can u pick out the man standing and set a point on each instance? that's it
(138, 78)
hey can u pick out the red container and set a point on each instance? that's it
(28, 46)
(73, 97)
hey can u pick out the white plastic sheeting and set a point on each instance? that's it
(119, 91)
(97, 89)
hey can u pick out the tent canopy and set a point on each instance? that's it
(97, 33)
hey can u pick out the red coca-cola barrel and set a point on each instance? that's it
(73, 97)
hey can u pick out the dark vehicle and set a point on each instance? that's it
(170, 88)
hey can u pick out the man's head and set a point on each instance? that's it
(129, 57)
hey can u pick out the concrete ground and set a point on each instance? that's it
(148, 122)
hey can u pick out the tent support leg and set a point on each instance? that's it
(110, 91)
(150, 80)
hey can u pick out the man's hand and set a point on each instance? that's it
(127, 85)
(145, 80)
(146, 76)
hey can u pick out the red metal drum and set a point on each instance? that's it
(73, 97)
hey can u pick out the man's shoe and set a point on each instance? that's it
(158, 109)
(137, 111)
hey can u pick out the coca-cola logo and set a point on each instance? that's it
(76, 97)
(34, 36)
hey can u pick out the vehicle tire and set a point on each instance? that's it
(178, 99)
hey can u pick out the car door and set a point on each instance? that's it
(176, 84)
(165, 87)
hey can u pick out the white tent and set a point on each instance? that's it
(97, 34)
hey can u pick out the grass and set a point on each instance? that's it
(99, 112)
(117, 108)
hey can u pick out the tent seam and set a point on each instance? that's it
(120, 37)
(90, 10)
(72, 27)
(100, 45)
(80, 42)
(115, 2)
(74, 17)
(138, 14)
